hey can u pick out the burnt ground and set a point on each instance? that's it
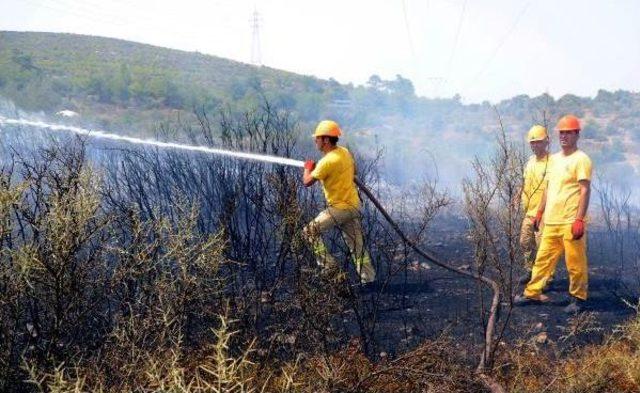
(428, 301)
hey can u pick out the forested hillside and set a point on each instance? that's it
(129, 267)
(130, 87)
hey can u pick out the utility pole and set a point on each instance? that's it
(256, 54)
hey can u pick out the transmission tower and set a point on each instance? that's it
(256, 53)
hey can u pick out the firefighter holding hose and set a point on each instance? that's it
(336, 171)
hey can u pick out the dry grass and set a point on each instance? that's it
(97, 300)
(213, 368)
(613, 366)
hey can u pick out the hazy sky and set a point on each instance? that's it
(482, 50)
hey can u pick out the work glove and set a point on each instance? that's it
(537, 221)
(309, 165)
(577, 229)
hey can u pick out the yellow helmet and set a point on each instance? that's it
(537, 133)
(327, 128)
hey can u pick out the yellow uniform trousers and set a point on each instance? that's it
(556, 240)
(348, 220)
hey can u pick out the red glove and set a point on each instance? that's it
(537, 221)
(309, 165)
(577, 229)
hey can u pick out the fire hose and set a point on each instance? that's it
(490, 328)
(495, 303)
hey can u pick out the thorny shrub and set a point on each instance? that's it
(111, 273)
(167, 272)
(79, 281)
(103, 299)
(494, 222)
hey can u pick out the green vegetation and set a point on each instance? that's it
(43, 71)
(126, 86)
(188, 273)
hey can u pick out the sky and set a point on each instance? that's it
(482, 50)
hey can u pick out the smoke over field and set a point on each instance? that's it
(129, 267)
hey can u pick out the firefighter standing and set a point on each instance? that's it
(336, 171)
(535, 180)
(564, 205)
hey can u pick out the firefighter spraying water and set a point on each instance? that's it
(336, 172)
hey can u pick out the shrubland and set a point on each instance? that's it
(129, 269)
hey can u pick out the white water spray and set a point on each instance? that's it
(169, 145)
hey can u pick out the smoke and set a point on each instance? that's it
(446, 161)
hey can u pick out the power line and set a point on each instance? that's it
(498, 47)
(434, 81)
(406, 24)
(455, 42)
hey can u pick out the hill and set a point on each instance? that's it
(127, 269)
(126, 86)
(49, 71)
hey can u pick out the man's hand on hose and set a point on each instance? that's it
(577, 229)
(309, 165)
(537, 221)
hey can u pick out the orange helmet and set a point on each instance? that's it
(327, 128)
(568, 123)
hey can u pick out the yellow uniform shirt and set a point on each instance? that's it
(563, 190)
(336, 171)
(535, 175)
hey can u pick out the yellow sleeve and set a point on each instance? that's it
(526, 179)
(322, 169)
(583, 169)
(528, 169)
